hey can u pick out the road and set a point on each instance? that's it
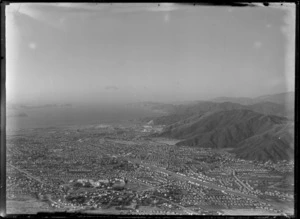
(180, 206)
(209, 185)
(186, 178)
(180, 177)
(243, 184)
(48, 196)
(27, 174)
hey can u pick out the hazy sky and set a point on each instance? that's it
(131, 52)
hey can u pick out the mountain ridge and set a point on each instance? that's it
(237, 128)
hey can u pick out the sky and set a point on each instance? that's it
(85, 52)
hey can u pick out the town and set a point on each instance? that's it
(123, 169)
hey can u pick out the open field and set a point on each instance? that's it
(27, 205)
(247, 212)
(165, 141)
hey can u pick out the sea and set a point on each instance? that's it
(45, 117)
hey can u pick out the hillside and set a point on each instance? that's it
(258, 130)
(283, 103)
(269, 108)
(275, 144)
(286, 98)
(221, 129)
(182, 112)
(239, 100)
(276, 104)
(251, 134)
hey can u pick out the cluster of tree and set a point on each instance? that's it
(76, 199)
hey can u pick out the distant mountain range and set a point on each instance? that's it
(180, 112)
(286, 99)
(258, 131)
(275, 104)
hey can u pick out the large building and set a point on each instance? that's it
(119, 184)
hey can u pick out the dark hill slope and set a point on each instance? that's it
(275, 144)
(268, 108)
(183, 112)
(222, 129)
